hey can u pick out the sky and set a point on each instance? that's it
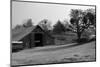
(21, 11)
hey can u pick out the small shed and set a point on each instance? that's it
(33, 37)
(17, 45)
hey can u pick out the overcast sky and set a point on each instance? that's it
(22, 11)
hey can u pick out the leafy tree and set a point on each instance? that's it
(67, 25)
(59, 27)
(91, 15)
(28, 23)
(81, 20)
(17, 27)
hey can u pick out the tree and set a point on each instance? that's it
(28, 23)
(58, 27)
(17, 27)
(91, 15)
(67, 25)
(81, 20)
(45, 24)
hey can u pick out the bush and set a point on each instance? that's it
(82, 40)
(61, 38)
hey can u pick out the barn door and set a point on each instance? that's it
(38, 39)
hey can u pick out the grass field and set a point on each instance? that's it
(55, 54)
(65, 38)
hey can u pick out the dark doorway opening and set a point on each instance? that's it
(38, 39)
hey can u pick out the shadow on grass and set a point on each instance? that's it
(79, 43)
(16, 50)
(63, 47)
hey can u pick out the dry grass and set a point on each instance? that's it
(45, 55)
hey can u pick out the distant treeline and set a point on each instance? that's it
(80, 22)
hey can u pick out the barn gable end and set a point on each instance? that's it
(36, 36)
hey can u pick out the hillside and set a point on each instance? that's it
(55, 54)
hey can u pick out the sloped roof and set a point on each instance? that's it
(21, 33)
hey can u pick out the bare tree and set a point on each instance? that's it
(45, 24)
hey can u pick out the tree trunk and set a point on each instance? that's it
(79, 36)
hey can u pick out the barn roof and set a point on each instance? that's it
(21, 33)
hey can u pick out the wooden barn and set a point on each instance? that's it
(33, 37)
